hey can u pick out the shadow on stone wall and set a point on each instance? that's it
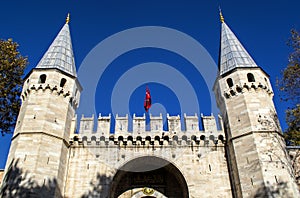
(17, 183)
(285, 159)
(100, 188)
(295, 159)
(279, 190)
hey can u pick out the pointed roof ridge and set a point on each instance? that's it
(60, 53)
(232, 52)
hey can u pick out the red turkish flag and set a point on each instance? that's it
(147, 102)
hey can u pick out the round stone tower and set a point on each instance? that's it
(257, 158)
(40, 143)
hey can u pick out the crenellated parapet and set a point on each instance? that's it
(212, 133)
(242, 82)
(147, 139)
(44, 87)
(242, 88)
(53, 82)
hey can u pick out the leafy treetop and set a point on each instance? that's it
(12, 65)
(290, 87)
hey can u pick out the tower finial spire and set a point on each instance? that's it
(68, 18)
(221, 15)
(60, 53)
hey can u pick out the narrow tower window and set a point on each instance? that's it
(62, 82)
(266, 81)
(229, 82)
(76, 91)
(250, 77)
(42, 78)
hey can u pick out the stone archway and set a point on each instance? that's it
(151, 172)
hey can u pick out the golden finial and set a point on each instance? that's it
(68, 19)
(221, 15)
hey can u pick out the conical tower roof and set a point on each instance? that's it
(60, 53)
(232, 53)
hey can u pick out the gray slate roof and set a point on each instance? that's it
(232, 53)
(60, 53)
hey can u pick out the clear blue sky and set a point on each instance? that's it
(263, 27)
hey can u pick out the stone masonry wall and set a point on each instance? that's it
(203, 166)
(95, 158)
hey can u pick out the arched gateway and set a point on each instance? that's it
(148, 177)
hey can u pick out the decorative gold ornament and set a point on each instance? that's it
(148, 191)
(68, 18)
(221, 15)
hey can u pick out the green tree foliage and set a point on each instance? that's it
(290, 87)
(12, 65)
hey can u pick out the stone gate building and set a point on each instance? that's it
(241, 154)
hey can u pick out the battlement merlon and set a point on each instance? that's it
(103, 126)
(156, 123)
(86, 125)
(139, 124)
(209, 123)
(191, 123)
(174, 123)
(121, 124)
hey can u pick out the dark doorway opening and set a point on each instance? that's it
(152, 172)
